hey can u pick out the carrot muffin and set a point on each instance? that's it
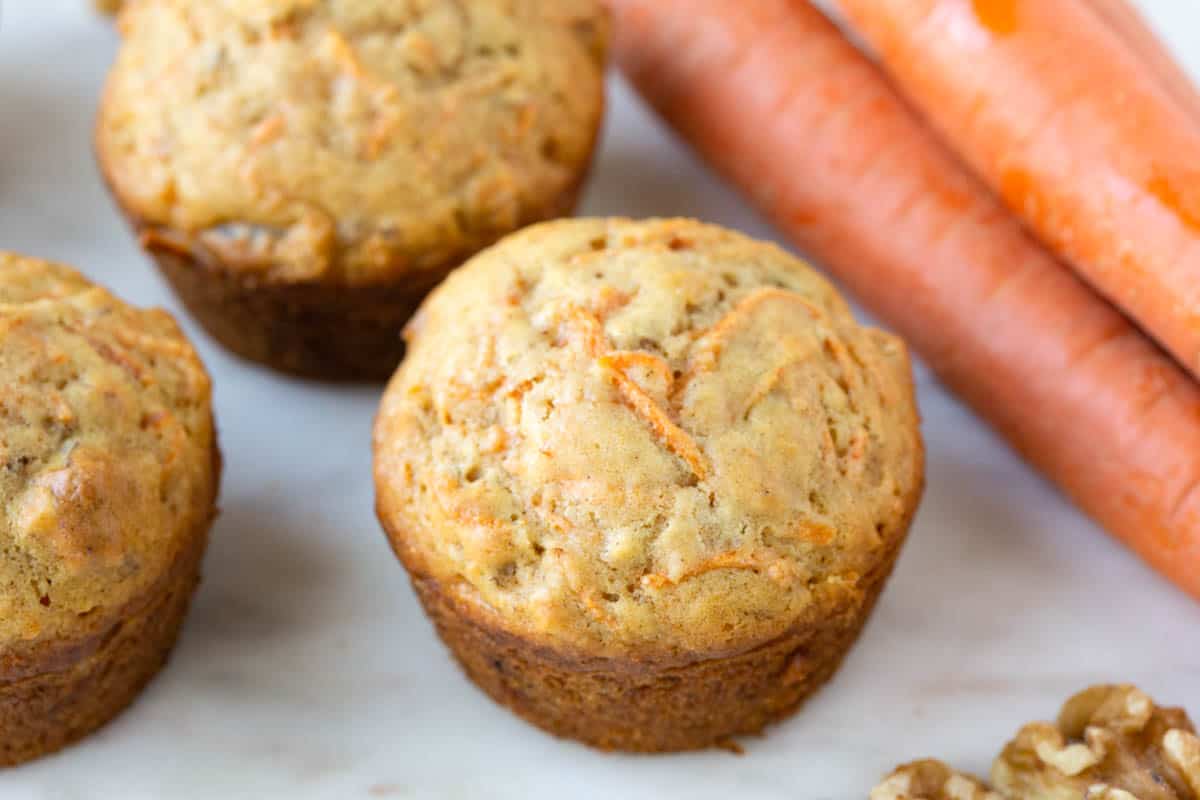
(304, 171)
(108, 475)
(648, 478)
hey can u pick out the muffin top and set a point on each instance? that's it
(657, 438)
(107, 454)
(349, 142)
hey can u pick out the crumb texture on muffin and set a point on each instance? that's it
(349, 142)
(647, 439)
(106, 452)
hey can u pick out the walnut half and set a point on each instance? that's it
(1110, 743)
(931, 780)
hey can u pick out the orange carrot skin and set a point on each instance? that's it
(1051, 107)
(776, 98)
(1141, 39)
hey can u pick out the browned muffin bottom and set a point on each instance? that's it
(323, 330)
(650, 706)
(314, 331)
(59, 691)
(320, 330)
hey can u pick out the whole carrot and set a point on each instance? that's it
(1053, 108)
(774, 96)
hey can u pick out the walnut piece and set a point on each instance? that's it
(931, 780)
(1103, 792)
(1110, 743)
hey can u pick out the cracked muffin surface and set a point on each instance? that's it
(348, 143)
(658, 439)
(108, 480)
(106, 448)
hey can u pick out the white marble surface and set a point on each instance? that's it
(306, 669)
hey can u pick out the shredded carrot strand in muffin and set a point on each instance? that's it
(727, 560)
(712, 341)
(621, 360)
(589, 331)
(380, 132)
(673, 437)
(583, 326)
(812, 532)
(111, 354)
(752, 301)
(343, 53)
(268, 130)
(608, 300)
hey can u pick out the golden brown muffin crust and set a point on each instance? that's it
(652, 439)
(107, 452)
(655, 705)
(348, 142)
(56, 691)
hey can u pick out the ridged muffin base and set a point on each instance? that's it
(647, 706)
